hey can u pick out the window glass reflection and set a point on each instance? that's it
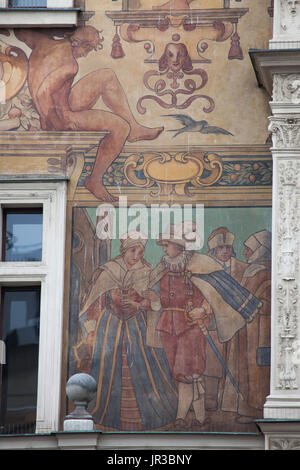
(20, 332)
(23, 235)
(28, 3)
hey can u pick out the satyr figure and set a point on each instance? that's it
(67, 104)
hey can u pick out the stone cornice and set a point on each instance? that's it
(268, 62)
(41, 17)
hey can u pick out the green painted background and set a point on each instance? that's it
(242, 221)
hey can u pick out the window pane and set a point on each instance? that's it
(23, 235)
(20, 332)
(29, 3)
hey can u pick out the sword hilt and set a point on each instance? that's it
(199, 321)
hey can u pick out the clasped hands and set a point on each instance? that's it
(148, 297)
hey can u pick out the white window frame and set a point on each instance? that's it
(61, 13)
(49, 273)
(50, 4)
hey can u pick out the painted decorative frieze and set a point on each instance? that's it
(175, 170)
(174, 79)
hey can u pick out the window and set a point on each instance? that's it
(19, 322)
(22, 234)
(32, 237)
(37, 3)
(28, 3)
(20, 332)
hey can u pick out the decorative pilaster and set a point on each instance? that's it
(284, 399)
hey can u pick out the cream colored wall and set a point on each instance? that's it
(240, 106)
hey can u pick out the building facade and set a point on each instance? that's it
(149, 182)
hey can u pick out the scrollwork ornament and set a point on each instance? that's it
(168, 90)
(173, 172)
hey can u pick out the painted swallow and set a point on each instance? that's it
(190, 125)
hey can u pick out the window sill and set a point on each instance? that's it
(38, 17)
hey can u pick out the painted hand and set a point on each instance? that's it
(150, 295)
(129, 303)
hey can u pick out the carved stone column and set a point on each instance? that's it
(278, 71)
(281, 423)
(284, 399)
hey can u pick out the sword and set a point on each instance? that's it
(217, 353)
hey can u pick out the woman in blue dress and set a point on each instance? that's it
(135, 389)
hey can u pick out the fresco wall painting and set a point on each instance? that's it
(177, 339)
(127, 330)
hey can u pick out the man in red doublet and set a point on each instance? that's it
(183, 306)
(184, 342)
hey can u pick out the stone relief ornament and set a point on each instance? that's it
(287, 291)
(285, 132)
(290, 16)
(286, 88)
(287, 319)
(284, 444)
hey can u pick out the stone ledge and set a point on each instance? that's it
(41, 17)
(280, 434)
(95, 440)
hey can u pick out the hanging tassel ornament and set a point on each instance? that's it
(235, 51)
(117, 50)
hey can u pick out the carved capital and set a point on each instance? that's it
(285, 132)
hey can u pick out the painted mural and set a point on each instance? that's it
(156, 102)
(177, 339)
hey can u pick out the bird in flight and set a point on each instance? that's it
(190, 125)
